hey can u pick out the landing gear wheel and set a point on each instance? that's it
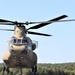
(2, 73)
(20, 72)
(7, 70)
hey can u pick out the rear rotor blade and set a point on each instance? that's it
(6, 23)
(44, 24)
(36, 33)
(7, 29)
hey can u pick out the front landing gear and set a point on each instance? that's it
(20, 72)
(34, 70)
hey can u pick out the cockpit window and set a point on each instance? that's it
(13, 41)
(19, 41)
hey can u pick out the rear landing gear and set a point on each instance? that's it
(7, 70)
(3, 70)
(34, 70)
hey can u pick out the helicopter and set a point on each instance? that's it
(20, 52)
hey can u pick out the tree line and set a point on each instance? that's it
(48, 69)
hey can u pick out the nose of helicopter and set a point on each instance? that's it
(18, 48)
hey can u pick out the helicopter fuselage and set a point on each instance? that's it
(20, 50)
(19, 53)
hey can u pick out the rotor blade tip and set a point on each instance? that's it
(65, 15)
(51, 35)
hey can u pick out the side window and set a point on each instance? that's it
(14, 40)
(24, 41)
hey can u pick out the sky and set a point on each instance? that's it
(60, 47)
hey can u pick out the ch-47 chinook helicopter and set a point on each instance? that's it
(20, 53)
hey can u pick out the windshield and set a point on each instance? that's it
(13, 41)
(18, 41)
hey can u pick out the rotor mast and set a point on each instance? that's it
(19, 30)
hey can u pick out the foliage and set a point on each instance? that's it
(48, 69)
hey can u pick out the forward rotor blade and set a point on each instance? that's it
(2, 20)
(46, 22)
(36, 33)
(6, 22)
(7, 29)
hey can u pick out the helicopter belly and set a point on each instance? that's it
(23, 60)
